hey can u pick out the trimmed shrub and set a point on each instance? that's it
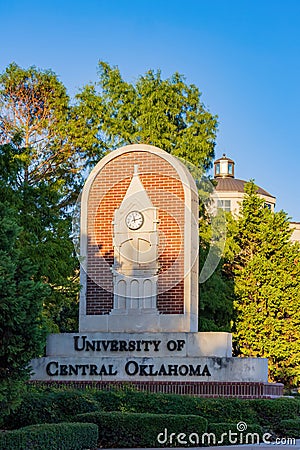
(36, 408)
(111, 400)
(231, 410)
(213, 409)
(271, 412)
(74, 402)
(50, 407)
(60, 405)
(61, 436)
(232, 433)
(289, 428)
(142, 430)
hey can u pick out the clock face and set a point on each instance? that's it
(134, 220)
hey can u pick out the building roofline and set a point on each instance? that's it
(220, 180)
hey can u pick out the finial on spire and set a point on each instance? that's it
(135, 169)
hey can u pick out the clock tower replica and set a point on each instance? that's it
(135, 241)
(139, 244)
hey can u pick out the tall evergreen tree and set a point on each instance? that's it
(217, 292)
(44, 238)
(267, 286)
(22, 329)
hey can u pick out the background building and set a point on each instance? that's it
(229, 192)
(296, 233)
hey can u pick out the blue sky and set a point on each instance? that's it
(243, 55)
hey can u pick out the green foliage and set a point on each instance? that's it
(11, 391)
(266, 269)
(271, 412)
(131, 418)
(44, 238)
(40, 168)
(289, 428)
(62, 436)
(54, 405)
(166, 113)
(229, 409)
(22, 330)
(224, 433)
(50, 407)
(69, 402)
(217, 292)
(127, 430)
(133, 401)
(216, 300)
(34, 113)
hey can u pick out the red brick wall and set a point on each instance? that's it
(215, 389)
(166, 193)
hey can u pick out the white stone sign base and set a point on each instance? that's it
(150, 369)
(152, 357)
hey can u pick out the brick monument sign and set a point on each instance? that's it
(138, 319)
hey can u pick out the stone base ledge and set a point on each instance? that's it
(150, 369)
(246, 390)
(217, 344)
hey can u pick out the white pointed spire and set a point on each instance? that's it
(136, 194)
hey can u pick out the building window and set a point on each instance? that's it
(218, 169)
(268, 205)
(225, 205)
(230, 169)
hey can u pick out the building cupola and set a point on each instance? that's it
(224, 167)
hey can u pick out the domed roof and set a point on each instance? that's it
(224, 157)
(235, 185)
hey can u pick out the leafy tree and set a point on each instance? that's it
(34, 106)
(166, 113)
(22, 331)
(216, 300)
(267, 285)
(217, 292)
(44, 238)
(41, 170)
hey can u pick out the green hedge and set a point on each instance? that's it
(56, 405)
(289, 428)
(213, 409)
(62, 436)
(232, 433)
(50, 407)
(271, 412)
(60, 405)
(142, 430)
